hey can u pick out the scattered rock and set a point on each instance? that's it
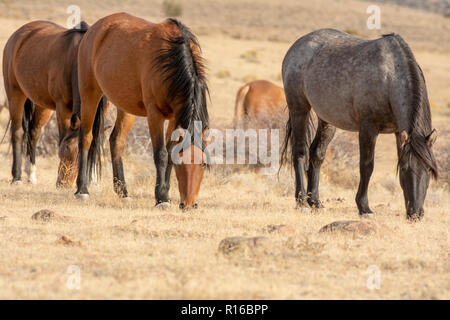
(283, 229)
(46, 215)
(163, 205)
(241, 244)
(361, 227)
(43, 215)
(66, 241)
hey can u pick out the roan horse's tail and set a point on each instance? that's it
(310, 132)
(239, 106)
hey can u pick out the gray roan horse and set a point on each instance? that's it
(368, 86)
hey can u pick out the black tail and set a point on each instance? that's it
(98, 136)
(27, 126)
(310, 132)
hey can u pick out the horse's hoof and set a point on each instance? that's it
(82, 196)
(127, 199)
(32, 180)
(163, 205)
(366, 216)
(17, 183)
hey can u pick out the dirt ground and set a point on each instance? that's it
(131, 250)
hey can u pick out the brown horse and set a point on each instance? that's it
(40, 75)
(148, 70)
(261, 102)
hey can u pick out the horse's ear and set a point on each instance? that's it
(431, 139)
(404, 137)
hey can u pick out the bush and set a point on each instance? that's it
(172, 8)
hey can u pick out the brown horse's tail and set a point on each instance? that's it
(28, 126)
(310, 132)
(239, 105)
(98, 136)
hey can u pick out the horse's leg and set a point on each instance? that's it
(124, 122)
(324, 135)
(367, 140)
(299, 110)
(170, 128)
(89, 105)
(63, 114)
(160, 155)
(40, 118)
(16, 106)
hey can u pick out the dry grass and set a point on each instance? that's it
(132, 250)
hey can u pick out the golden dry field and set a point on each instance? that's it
(131, 250)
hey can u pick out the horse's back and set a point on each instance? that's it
(38, 58)
(117, 53)
(341, 77)
(306, 47)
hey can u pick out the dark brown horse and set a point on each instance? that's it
(368, 86)
(260, 102)
(148, 70)
(40, 76)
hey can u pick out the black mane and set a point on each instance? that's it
(420, 117)
(184, 70)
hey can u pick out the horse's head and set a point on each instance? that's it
(416, 166)
(189, 169)
(68, 165)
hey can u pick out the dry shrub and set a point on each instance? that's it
(223, 74)
(342, 161)
(250, 56)
(353, 32)
(49, 139)
(249, 78)
(172, 8)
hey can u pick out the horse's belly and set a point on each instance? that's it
(125, 96)
(128, 105)
(340, 116)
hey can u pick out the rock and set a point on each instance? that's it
(163, 205)
(44, 215)
(241, 244)
(361, 227)
(65, 240)
(282, 229)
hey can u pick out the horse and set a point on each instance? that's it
(367, 86)
(260, 101)
(40, 76)
(148, 70)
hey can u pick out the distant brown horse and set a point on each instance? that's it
(148, 70)
(260, 102)
(40, 75)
